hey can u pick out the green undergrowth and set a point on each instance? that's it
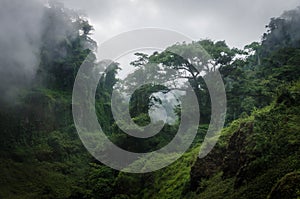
(272, 149)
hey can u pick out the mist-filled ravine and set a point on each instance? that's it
(43, 46)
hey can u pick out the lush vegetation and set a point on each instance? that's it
(257, 155)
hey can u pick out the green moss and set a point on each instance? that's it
(170, 182)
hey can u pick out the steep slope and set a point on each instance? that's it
(262, 150)
(257, 156)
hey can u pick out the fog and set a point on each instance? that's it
(20, 40)
(23, 24)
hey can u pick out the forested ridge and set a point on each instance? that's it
(257, 155)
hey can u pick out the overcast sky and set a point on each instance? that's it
(239, 22)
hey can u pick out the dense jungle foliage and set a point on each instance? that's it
(257, 156)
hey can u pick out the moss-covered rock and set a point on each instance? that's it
(287, 187)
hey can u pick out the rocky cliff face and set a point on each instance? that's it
(206, 167)
(254, 153)
(230, 159)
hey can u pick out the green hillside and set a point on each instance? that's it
(257, 155)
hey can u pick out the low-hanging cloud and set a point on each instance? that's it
(20, 40)
(30, 29)
(238, 22)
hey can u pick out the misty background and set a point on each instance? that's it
(23, 27)
(237, 22)
(20, 40)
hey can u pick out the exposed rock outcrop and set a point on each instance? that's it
(230, 160)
